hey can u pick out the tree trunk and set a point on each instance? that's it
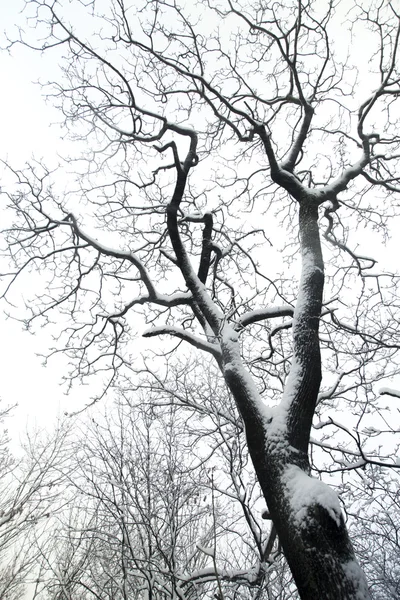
(305, 511)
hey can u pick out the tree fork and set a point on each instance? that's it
(317, 549)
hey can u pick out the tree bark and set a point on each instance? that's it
(317, 546)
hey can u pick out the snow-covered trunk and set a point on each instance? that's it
(305, 512)
(304, 381)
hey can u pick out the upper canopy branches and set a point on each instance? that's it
(241, 71)
(161, 93)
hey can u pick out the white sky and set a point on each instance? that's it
(26, 131)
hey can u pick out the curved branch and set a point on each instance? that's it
(261, 314)
(186, 336)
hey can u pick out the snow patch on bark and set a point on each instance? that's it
(306, 491)
(276, 417)
(300, 321)
(293, 382)
(305, 293)
(234, 365)
(355, 574)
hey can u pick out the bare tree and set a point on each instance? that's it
(28, 495)
(261, 115)
(374, 510)
(147, 519)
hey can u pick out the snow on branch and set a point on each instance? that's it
(389, 392)
(195, 341)
(340, 183)
(169, 301)
(249, 577)
(208, 551)
(254, 316)
(120, 254)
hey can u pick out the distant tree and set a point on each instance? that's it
(374, 508)
(147, 519)
(28, 493)
(221, 137)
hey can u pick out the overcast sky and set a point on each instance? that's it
(26, 132)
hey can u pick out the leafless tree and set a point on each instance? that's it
(374, 511)
(215, 131)
(148, 519)
(28, 495)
